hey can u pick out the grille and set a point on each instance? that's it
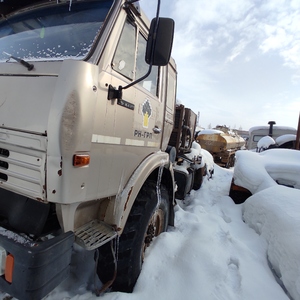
(22, 163)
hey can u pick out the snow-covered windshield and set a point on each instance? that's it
(53, 32)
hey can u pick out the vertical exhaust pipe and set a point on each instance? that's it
(271, 123)
(297, 146)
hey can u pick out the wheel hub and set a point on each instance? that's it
(155, 227)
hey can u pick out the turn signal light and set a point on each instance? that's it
(9, 268)
(81, 160)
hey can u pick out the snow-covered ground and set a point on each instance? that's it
(210, 254)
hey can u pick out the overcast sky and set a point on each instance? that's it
(238, 61)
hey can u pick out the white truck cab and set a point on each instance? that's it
(87, 108)
(258, 132)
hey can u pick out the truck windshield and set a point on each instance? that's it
(53, 32)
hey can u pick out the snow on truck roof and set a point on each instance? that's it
(210, 131)
(268, 127)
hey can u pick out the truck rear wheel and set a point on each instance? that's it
(147, 219)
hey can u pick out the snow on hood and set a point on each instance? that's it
(258, 171)
(250, 172)
(285, 138)
(283, 165)
(265, 142)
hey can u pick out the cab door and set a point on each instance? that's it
(169, 95)
(126, 130)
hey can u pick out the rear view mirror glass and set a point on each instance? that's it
(159, 45)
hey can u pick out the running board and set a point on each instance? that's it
(94, 234)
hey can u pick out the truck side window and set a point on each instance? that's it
(129, 58)
(171, 89)
(149, 83)
(256, 138)
(123, 61)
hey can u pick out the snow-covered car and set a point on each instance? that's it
(257, 171)
(273, 209)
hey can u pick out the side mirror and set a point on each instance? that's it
(160, 41)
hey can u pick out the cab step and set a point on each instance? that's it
(94, 234)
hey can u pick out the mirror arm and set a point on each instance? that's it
(157, 12)
(114, 93)
(155, 31)
(131, 1)
(140, 79)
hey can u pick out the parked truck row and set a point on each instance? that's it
(93, 149)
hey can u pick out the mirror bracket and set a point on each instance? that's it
(114, 93)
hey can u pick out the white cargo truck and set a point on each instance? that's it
(87, 108)
(258, 132)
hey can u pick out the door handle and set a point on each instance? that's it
(156, 130)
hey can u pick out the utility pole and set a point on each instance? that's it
(297, 146)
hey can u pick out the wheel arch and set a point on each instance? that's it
(148, 169)
(167, 180)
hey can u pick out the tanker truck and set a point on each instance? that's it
(87, 108)
(222, 143)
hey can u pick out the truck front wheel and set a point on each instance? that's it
(147, 219)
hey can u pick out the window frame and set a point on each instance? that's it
(139, 33)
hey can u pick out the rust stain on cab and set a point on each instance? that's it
(126, 203)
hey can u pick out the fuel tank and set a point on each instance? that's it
(219, 139)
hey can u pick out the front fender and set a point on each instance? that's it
(120, 208)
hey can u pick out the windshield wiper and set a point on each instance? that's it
(21, 61)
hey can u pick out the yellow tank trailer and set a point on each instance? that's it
(222, 143)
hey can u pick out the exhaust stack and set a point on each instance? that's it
(271, 123)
